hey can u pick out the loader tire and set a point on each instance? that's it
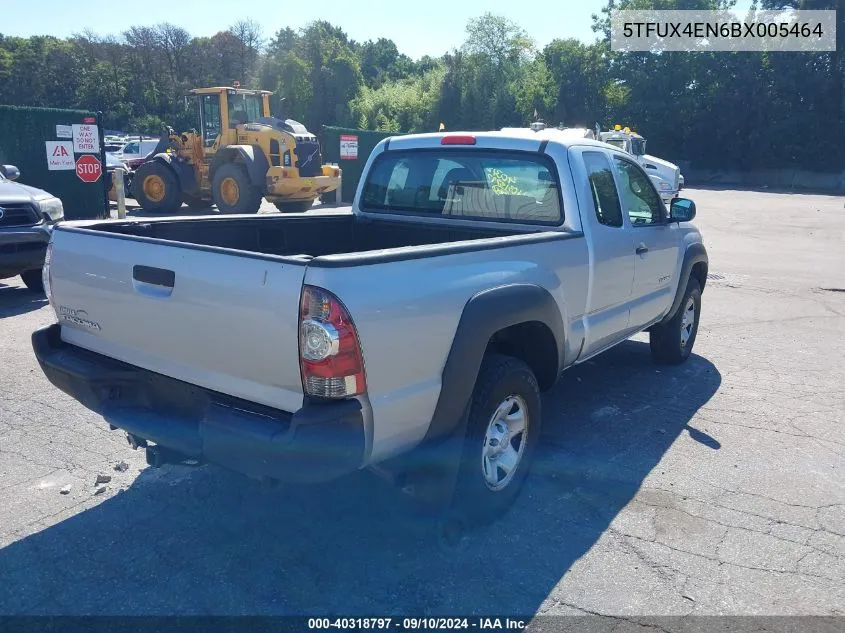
(156, 188)
(232, 190)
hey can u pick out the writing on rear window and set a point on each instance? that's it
(470, 184)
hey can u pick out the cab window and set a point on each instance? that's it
(243, 109)
(603, 188)
(210, 119)
(642, 203)
(491, 185)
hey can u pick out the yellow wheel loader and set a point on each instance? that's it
(237, 154)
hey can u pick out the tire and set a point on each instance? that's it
(295, 206)
(195, 202)
(156, 188)
(232, 190)
(33, 280)
(501, 380)
(671, 342)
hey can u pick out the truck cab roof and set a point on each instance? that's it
(508, 138)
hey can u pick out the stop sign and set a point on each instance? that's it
(88, 168)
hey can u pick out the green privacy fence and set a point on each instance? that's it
(350, 148)
(46, 145)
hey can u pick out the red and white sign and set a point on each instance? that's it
(60, 155)
(88, 168)
(348, 147)
(86, 138)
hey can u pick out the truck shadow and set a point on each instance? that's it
(15, 300)
(204, 541)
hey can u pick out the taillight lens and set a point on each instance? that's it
(330, 356)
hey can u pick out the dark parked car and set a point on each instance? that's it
(27, 216)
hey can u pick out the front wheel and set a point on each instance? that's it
(156, 188)
(503, 429)
(671, 342)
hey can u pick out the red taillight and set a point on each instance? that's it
(330, 356)
(458, 140)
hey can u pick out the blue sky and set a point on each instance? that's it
(424, 27)
(418, 28)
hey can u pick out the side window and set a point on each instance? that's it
(211, 119)
(605, 195)
(131, 148)
(642, 203)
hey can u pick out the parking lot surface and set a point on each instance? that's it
(715, 487)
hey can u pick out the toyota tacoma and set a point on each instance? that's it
(412, 336)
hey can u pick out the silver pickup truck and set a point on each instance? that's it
(412, 336)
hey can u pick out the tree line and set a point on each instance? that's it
(738, 111)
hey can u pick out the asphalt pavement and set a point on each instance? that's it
(715, 487)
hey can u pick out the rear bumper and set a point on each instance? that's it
(22, 249)
(319, 442)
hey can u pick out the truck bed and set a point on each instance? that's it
(302, 236)
(160, 294)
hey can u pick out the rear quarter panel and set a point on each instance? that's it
(407, 312)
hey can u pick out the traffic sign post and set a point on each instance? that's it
(88, 168)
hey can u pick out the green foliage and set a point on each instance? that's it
(408, 105)
(717, 110)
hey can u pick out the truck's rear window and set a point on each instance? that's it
(499, 186)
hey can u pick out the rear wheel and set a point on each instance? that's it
(33, 280)
(295, 206)
(232, 190)
(156, 188)
(503, 429)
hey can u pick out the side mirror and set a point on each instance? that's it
(682, 210)
(10, 171)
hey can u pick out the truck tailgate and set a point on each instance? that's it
(221, 320)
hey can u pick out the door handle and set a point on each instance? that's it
(154, 276)
(642, 249)
(154, 282)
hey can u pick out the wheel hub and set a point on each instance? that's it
(154, 188)
(687, 322)
(229, 191)
(504, 442)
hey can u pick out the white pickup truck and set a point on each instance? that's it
(413, 335)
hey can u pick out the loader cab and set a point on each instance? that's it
(244, 108)
(218, 112)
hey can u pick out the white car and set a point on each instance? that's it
(137, 149)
